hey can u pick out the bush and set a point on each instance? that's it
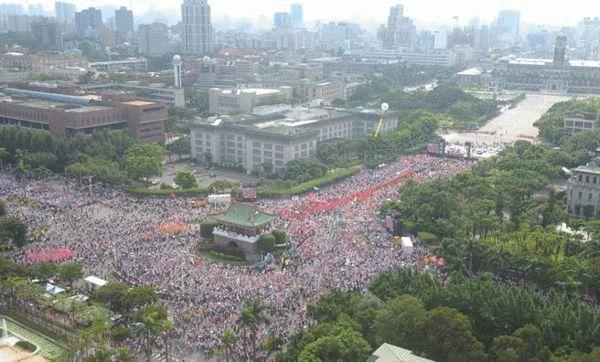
(206, 228)
(120, 334)
(28, 346)
(427, 237)
(186, 180)
(279, 236)
(266, 243)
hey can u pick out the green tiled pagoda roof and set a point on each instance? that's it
(244, 215)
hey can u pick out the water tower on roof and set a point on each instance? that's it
(177, 70)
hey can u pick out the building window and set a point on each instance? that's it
(580, 195)
(587, 179)
(256, 144)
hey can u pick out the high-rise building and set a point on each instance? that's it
(297, 16)
(153, 39)
(88, 23)
(508, 24)
(123, 22)
(35, 9)
(400, 31)
(440, 39)
(282, 20)
(47, 33)
(196, 27)
(64, 12)
(11, 9)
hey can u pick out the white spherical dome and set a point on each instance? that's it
(206, 60)
(176, 59)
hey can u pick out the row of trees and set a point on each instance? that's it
(461, 108)
(414, 130)
(473, 319)
(399, 76)
(142, 319)
(493, 218)
(551, 124)
(109, 157)
(12, 229)
(495, 309)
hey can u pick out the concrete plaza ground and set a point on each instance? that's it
(511, 125)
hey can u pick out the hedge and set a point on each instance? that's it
(329, 178)
(236, 260)
(28, 346)
(279, 236)
(143, 192)
(426, 237)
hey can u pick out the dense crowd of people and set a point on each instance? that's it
(119, 237)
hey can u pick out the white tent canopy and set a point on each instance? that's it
(95, 281)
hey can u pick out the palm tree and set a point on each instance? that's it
(228, 338)
(250, 320)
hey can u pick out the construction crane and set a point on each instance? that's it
(384, 108)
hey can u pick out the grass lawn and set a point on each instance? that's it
(49, 349)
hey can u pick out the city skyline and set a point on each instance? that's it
(427, 12)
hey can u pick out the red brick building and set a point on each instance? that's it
(65, 115)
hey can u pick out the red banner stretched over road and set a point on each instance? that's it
(316, 205)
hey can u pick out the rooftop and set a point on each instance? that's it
(470, 71)
(592, 167)
(257, 91)
(245, 215)
(139, 103)
(390, 353)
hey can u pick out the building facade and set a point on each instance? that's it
(64, 12)
(65, 115)
(136, 65)
(244, 99)
(48, 33)
(583, 191)
(123, 23)
(153, 39)
(88, 23)
(557, 75)
(197, 33)
(577, 125)
(268, 143)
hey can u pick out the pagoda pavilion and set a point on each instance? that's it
(240, 227)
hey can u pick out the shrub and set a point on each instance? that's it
(266, 243)
(120, 334)
(427, 237)
(28, 346)
(279, 236)
(206, 228)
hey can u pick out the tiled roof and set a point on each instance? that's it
(245, 215)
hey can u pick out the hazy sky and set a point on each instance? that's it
(549, 12)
